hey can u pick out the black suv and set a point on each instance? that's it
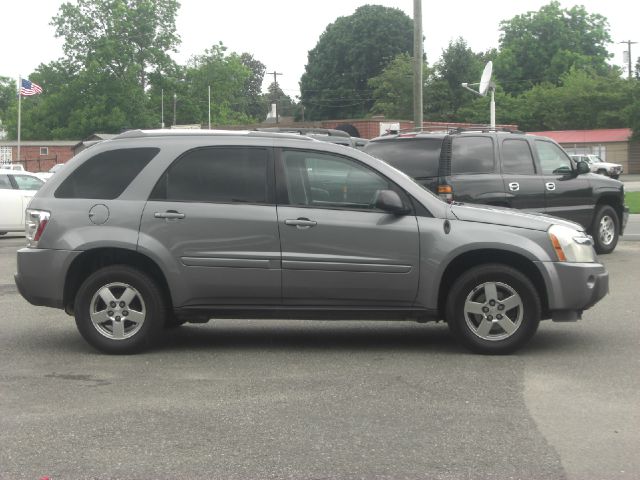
(509, 169)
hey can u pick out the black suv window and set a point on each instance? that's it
(553, 160)
(472, 155)
(106, 175)
(517, 157)
(216, 174)
(417, 157)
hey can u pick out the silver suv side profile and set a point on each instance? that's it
(153, 229)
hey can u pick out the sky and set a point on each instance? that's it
(280, 33)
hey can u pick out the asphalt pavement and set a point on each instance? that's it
(240, 399)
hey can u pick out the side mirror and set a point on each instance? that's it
(390, 201)
(583, 167)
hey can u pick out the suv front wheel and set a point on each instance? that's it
(605, 229)
(493, 309)
(119, 310)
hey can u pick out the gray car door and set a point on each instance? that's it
(212, 218)
(337, 248)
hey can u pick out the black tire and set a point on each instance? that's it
(605, 229)
(497, 328)
(128, 307)
(602, 172)
(615, 177)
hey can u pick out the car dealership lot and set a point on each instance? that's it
(283, 399)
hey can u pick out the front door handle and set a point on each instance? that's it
(514, 186)
(550, 186)
(169, 215)
(301, 223)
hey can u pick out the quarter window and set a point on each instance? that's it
(472, 155)
(106, 175)
(328, 181)
(517, 158)
(219, 174)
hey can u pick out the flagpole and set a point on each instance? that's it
(19, 113)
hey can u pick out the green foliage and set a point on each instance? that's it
(393, 88)
(352, 50)
(458, 64)
(632, 200)
(541, 46)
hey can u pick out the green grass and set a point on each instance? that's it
(632, 199)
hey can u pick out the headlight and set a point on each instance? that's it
(571, 245)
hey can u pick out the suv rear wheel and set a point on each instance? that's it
(493, 309)
(605, 229)
(119, 310)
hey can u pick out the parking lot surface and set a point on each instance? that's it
(322, 400)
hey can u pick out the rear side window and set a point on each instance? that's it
(417, 157)
(472, 155)
(5, 183)
(216, 174)
(517, 158)
(27, 182)
(106, 175)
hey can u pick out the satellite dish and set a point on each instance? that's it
(485, 80)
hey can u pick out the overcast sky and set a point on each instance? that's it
(279, 33)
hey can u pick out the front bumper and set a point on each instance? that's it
(625, 218)
(573, 287)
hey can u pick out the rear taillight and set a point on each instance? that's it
(35, 223)
(445, 192)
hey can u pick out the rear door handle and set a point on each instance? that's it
(301, 223)
(169, 215)
(550, 186)
(514, 186)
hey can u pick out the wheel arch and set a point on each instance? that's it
(473, 258)
(95, 259)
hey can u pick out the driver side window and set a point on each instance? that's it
(553, 160)
(322, 180)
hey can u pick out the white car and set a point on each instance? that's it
(47, 175)
(597, 165)
(16, 190)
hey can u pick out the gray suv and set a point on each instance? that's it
(153, 229)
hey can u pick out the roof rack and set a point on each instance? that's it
(305, 131)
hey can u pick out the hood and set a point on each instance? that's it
(507, 216)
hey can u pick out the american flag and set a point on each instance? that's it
(28, 88)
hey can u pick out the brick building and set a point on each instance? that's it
(37, 156)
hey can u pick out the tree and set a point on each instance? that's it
(538, 47)
(352, 50)
(392, 90)
(117, 37)
(253, 85)
(458, 64)
(7, 98)
(227, 76)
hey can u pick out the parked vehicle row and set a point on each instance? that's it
(153, 229)
(510, 169)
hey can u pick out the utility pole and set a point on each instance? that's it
(275, 83)
(629, 43)
(418, 102)
(175, 97)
